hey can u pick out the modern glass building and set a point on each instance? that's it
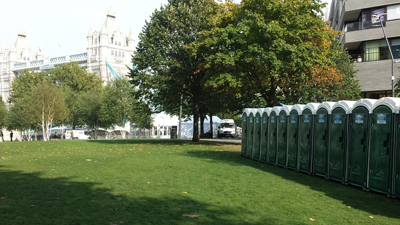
(361, 23)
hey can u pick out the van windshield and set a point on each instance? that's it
(227, 125)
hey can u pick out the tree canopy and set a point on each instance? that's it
(48, 104)
(69, 95)
(224, 57)
(280, 50)
(165, 67)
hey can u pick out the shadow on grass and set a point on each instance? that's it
(373, 203)
(28, 198)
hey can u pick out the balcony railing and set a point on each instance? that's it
(360, 26)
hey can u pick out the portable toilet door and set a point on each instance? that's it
(272, 135)
(338, 132)
(306, 126)
(256, 135)
(359, 142)
(380, 160)
(397, 157)
(264, 134)
(250, 133)
(293, 136)
(245, 117)
(282, 136)
(321, 141)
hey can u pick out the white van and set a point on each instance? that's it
(227, 128)
(76, 134)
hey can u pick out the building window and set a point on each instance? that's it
(393, 12)
(112, 52)
(375, 50)
(395, 47)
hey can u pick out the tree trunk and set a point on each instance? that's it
(195, 124)
(123, 134)
(211, 126)
(202, 118)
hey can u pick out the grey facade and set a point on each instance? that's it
(364, 39)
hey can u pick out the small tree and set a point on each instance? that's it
(118, 106)
(3, 114)
(21, 117)
(89, 108)
(48, 104)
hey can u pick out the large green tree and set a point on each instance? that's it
(279, 50)
(75, 80)
(166, 66)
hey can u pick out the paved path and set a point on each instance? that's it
(227, 140)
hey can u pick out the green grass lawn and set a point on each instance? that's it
(115, 182)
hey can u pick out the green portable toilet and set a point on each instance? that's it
(272, 135)
(264, 134)
(321, 139)
(293, 136)
(358, 142)
(381, 158)
(250, 133)
(282, 136)
(397, 156)
(306, 127)
(245, 118)
(338, 133)
(257, 134)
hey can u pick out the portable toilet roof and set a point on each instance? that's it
(249, 110)
(287, 108)
(299, 108)
(254, 111)
(391, 102)
(260, 111)
(268, 110)
(327, 105)
(277, 109)
(312, 106)
(347, 106)
(367, 103)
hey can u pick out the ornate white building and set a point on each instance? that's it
(109, 44)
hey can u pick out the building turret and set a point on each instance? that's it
(130, 41)
(113, 46)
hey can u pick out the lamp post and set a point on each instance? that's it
(180, 119)
(390, 50)
(180, 115)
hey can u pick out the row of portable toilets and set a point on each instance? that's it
(354, 142)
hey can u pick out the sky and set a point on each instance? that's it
(49, 24)
(60, 28)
